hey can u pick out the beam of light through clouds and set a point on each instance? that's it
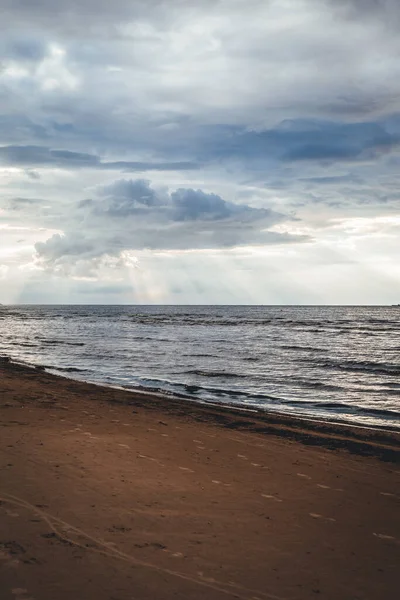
(170, 151)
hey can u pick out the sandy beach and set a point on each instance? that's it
(111, 495)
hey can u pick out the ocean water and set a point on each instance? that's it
(332, 363)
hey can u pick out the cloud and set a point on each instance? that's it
(386, 12)
(40, 156)
(70, 16)
(22, 204)
(196, 205)
(23, 49)
(314, 140)
(289, 141)
(131, 215)
(258, 123)
(125, 198)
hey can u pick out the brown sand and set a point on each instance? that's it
(109, 495)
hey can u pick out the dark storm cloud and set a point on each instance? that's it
(67, 13)
(383, 10)
(128, 166)
(23, 49)
(134, 89)
(19, 128)
(193, 205)
(40, 156)
(299, 139)
(88, 17)
(292, 140)
(136, 198)
(334, 180)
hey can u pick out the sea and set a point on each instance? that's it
(331, 363)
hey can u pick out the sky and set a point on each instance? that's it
(200, 151)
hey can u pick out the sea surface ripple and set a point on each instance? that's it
(338, 363)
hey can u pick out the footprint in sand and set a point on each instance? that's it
(383, 536)
(270, 497)
(317, 516)
(7, 552)
(152, 459)
(217, 482)
(21, 594)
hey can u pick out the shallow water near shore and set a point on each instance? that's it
(340, 363)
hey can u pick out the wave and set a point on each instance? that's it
(266, 401)
(58, 342)
(317, 385)
(363, 325)
(344, 408)
(205, 373)
(303, 348)
(66, 369)
(389, 369)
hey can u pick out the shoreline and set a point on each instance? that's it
(113, 495)
(369, 441)
(170, 396)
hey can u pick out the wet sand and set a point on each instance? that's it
(110, 495)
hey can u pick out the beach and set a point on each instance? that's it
(115, 495)
(304, 361)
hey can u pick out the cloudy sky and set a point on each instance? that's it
(200, 151)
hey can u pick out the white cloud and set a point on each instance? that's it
(131, 215)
